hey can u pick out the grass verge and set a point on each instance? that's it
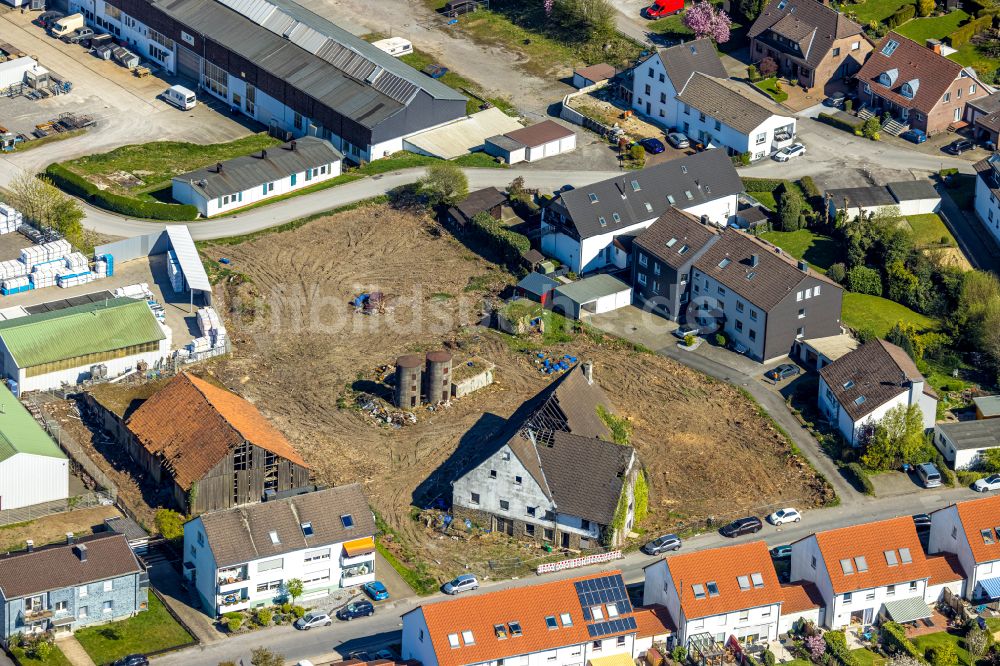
(930, 231)
(416, 576)
(880, 314)
(52, 138)
(817, 250)
(771, 87)
(150, 631)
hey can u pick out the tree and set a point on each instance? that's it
(905, 335)
(589, 18)
(753, 73)
(837, 272)
(902, 285)
(263, 657)
(977, 641)
(444, 184)
(749, 9)
(637, 153)
(925, 7)
(897, 438)
(942, 654)
(704, 20)
(864, 280)
(768, 67)
(516, 192)
(871, 128)
(43, 204)
(789, 209)
(989, 460)
(294, 588)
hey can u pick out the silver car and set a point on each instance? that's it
(992, 482)
(678, 140)
(461, 584)
(790, 152)
(310, 620)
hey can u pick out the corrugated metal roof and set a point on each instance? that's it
(20, 433)
(80, 330)
(187, 257)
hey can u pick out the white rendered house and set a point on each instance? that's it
(969, 531)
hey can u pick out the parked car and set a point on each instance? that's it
(310, 620)
(661, 8)
(782, 516)
(132, 660)
(914, 135)
(790, 152)
(386, 654)
(922, 522)
(783, 371)
(959, 146)
(363, 608)
(992, 482)
(748, 525)
(81, 35)
(678, 140)
(45, 19)
(461, 584)
(836, 100)
(684, 331)
(653, 146)
(929, 475)
(781, 552)
(737, 347)
(435, 71)
(663, 544)
(376, 590)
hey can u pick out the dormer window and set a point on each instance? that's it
(593, 197)
(888, 77)
(910, 88)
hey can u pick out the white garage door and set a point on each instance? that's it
(567, 144)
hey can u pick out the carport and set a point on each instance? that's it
(593, 295)
(462, 136)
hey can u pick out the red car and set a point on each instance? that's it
(661, 8)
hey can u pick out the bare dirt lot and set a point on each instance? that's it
(54, 528)
(303, 357)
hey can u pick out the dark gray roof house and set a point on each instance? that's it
(683, 60)
(618, 203)
(251, 171)
(977, 434)
(676, 238)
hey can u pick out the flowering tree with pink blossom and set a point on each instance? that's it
(549, 4)
(706, 21)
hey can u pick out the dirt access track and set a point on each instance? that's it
(302, 355)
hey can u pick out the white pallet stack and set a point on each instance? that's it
(199, 345)
(76, 262)
(75, 279)
(100, 269)
(12, 269)
(211, 327)
(174, 271)
(15, 282)
(10, 219)
(33, 254)
(57, 249)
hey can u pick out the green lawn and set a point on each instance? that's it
(863, 311)
(964, 194)
(877, 10)
(866, 657)
(55, 658)
(766, 198)
(970, 56)
(149, 631)
(932, 27)
(770, 86)
(157, 162)
(671, 27)
(820, 251)
(924, 643)
(930, 231)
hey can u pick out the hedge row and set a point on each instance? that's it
(904, 14)
(836, 645)
(895, 640)
(834, 121)
(964, 33)
(508, 244)
(78, 186)
(813, 196)
(762, 184)
(861, 479)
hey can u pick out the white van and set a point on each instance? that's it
(66, 25)
(181, 97)
(394, 46)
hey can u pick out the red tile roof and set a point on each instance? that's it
(725, 567)
(944, 568)
(870, 541)
(653, 621)
(799, 597)
(912, 62)
(976, 516)
(529, 606)
(192, 425)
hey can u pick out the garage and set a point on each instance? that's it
(530, 144)
(915, 197)
(188, 63)
(593, 295)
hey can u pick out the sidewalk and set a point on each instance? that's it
(75, 654)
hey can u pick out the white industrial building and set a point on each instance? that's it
(859, 388)
(64, 347)
(591, 295)
(244, 557)
(33, 469)
(250, 179)
(14, 71)
(591, 227)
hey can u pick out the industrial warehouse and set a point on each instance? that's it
(285, 67)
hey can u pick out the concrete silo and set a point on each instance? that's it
(409, 376)
(437, 377)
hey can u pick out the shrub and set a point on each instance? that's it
(286, 608)
(768, 658)
(942, 655)
(834, 121)
(298, 611)
(835, 640)
(813, 195)
(768, 67)
(263, 616)
(964, 33)
(689, 340)
(902, 15)
(860, 477)
(871, 129)
(792, 82)
(894, 640)
(837, 272)
(864, 280)
(816, 647)
(679, 654)
(233, 624)
(849, 105)
(753, 73)
(947, 475)
(78, 186)
(720, 339)
(509, 245)
(170, 524)
(762, 184)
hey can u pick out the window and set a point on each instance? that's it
(846, 566)
(699, 590)
(316, 555)
(82, 612)
(890, 590)
(505, 455)
(744, 615)
(529, 529)
(82, 591)
(913, 586)
(816, 290)
(718, 126)
(836, 52)
(648, 89)
(855, 46)
(744, 582)
(566, 619)
(60, 605)
(987, 536)
(757, 580)
(602, 221)
(500, 630)
(108, 606)
(297, 120)
(643, 259)
(869, 595)
(656, 268)
(475, 498)
(530, 511)
(701, 116)
(270, 565)
(616, 217)
(904, 555)
(108, 585)
(515, 628)
(493, 474)
(812, 563)
(649, 71)
(270, 585)
(216, 79)
(890, 558)
(620, 641)
(753, 334)
(663, 98)
(860, 563)
(798, 296)
(597, 645)
(642, 279)
(972, 89)
(504, 505)
(612, 610)
(958, 93)
(847, 598)
(274, 537)
(947, 97)
(517, 480)
(347, 520)
(468, 638)
(687, 110)
(597, 613)
(753, 315)
(722, 290)
(760, 138)
(739, 306)
(549, 535)
(593, 198)
(550, 622)
(453, 640)
(739, 326)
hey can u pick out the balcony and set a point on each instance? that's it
(783, 137)
(37, 615)
(230, 579)
(234, 600)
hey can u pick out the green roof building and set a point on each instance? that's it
(64, 347)
(33, 469)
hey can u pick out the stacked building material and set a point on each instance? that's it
(15, 285)
(75, 279)
(76, 262)
(174, 271)
(12, 268)
(140, 290)
(104, 265)
(10, 219)
(211, 327)
(47, 273)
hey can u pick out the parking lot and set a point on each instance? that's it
(126, 108)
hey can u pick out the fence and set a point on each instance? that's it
(36, 511)
(568, 113)
(577, 562)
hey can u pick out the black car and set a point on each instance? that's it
(362, 608)
(663, 544)
(748, 525)
(132, 660)
(922, 522)
(783, 371)
(959, 146)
